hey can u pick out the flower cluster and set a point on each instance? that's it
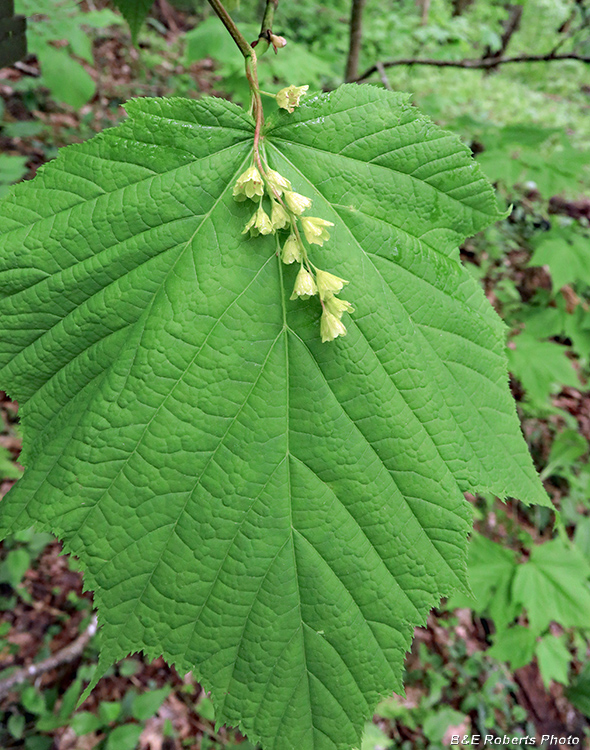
(287, 207)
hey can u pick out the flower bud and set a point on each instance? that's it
(305, 286)
(338, 306)
(291, 251)
(277, 182)
(297, 203)
(328, 284)
(259, 223)
(279, 218)
(277, 41)
(248, 185)
(331, 327)
(315, 230)
(289, 97)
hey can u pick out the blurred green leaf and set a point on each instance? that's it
(124, 737)
(32, 700)
(554, 660)
(553, 586)
(567, 253)
(205, 708)
(437, 723)
(16, 725)
(541, 366)
(579, 691)
(12, 169)
(109, 711)
(135, 12)
(85, 722)
(66, 78)
(8, 469)
(14, 566)
(566, 448)
(146, 705)
(514, 645)
(491, 570)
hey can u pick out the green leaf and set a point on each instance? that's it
(553, 586)
(109, 711)
(14, 566)
(272, 512)
(515, 645)
(565, 251)
(147, 704)
(491, 572)
(8, 469)
(579, 691)
(66, 78)
(541, 366)
(12, 168)
(135, 13)
(85, 722)
(124, 737)
(566, 448)
(437, 723)
(554, 660)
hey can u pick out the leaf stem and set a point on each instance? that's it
(268, 19)
(251, 71)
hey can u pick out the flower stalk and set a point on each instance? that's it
(260, 183)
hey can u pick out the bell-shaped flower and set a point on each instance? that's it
(305, 287)
(328, 284)
(315, 229)
(288, 98)
(259, 223)
(291, 250)
(331, 326)
(297, 203)
(277, 182)
(338, 306)
(279, 217)
(249, 185)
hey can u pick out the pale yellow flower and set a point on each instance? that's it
(328, 284)
(338, 306)
(291, 251)
(249, 185)
(297, 203)
(289, 97)
(277, 181)
(278, 217)
(315, 229)
(331, 327)
(305, 286)
(259, 223)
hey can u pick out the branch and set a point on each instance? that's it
(511, 26)
(63, 656)
(486, 63)
(268, 18)
(235, 33)
(356, 35)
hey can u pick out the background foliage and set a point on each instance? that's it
(513, 660)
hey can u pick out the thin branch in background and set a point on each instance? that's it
(476, 64)
(511, 26)
(65, 655)
(383, 76)
(356, 36)
(424, 8)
